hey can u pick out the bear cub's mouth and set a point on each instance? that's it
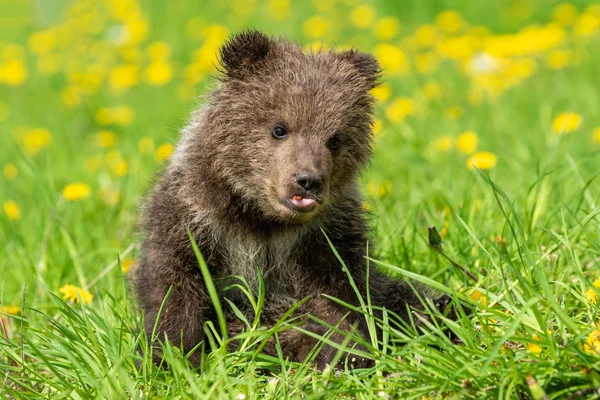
(302, 203)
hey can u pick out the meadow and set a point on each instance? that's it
(487, 128)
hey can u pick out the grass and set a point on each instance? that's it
(528, 228)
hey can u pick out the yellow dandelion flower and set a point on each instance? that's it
(432, 90)
(362, 16)
(559, 59)
(278, 10)
(12, 210)
(163, 152)
(454, 113)
(382, 92)
(591, 294)
(366, 205)
(592, 342)
(127, 264)
(566, 122)
(426, 63)
(159, 73)
(565, 14)
(73, 294)
(103, 116)
(122, 115)
(425, 36)
(479, 296)
(105, 139)
(159, 51)
(315, 27)
(399, 109)
(596, 135)
(450, 22)
(119, 168)
(124, 77)
(14, 72)
(467, 142)
(587, 25)
(214, 35)
(392, 59)
(36, 140)
(534, 347)
(386, 28)
(444, 143)
(483, 160)
(11, 310)
(41, 42)
(76, 191)
(146, 145)
(71, 97)
(10, 171)
(377, 125)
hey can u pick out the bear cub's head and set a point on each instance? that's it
(288, 131)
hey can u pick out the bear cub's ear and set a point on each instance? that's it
(366, 65)
(244, 53)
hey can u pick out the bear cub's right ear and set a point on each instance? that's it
(244, 53)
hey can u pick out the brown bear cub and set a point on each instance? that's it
(268, 165)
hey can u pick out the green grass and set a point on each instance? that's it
(528, 229)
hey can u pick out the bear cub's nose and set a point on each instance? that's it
(309, 181)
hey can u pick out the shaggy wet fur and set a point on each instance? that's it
(231, 181)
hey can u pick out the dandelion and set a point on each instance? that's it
(565, 14)
(592, 342)
(73, 294)
(127, 264)
(483, 160)
(450, 22)
(14, 72)
(10, 172)
(12, 210)
(11, 310)
(122, 115)
(70, 96)
(566, 122)
(591, 295)
(315, 27)
(124, 77)
(445, 143)
(159, 51)
(479, 296)
(159, 73)
(596, 135)
(386, 28)
(103, 116)
(120, 168)
(426, 62)
(377, 125)
(76, 192)
(392, 59)
(399, 109)
(558, 59)
(105, 139)
(382, 92)
(366, 205)
(163, 152)
(534, 347)
(587, 25)
(362, 16)
(278, 10)
(425, 36)
(36, 140)
(467, 142)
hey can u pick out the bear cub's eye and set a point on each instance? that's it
(335, 142)
(279, 132)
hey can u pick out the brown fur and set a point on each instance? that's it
(228, 183)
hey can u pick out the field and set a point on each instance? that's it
(487, 127)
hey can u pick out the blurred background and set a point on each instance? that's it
(94, 92)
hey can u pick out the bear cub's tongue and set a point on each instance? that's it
(302, 202)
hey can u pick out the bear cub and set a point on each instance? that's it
(260, 172)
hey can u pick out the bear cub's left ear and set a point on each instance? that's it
(244, 53)
(366, 65)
